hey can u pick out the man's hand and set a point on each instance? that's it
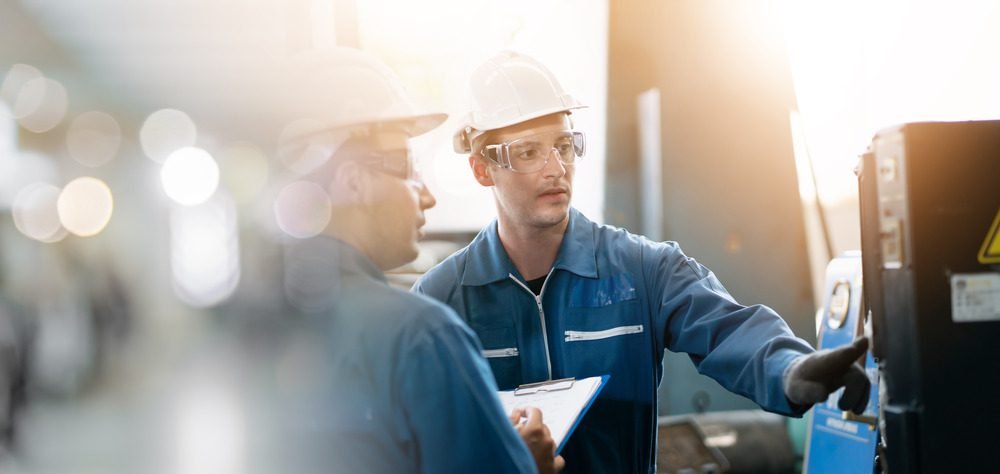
(811, 379)
(536, 435)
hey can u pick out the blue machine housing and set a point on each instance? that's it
(836, 444)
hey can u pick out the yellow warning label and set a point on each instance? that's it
(990, 252)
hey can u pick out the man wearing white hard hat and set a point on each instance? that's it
(407, 389)
(552, 294)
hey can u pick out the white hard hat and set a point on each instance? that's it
(510, 88)
(328, 95)
(340, 88)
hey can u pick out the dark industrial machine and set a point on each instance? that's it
(930, 211)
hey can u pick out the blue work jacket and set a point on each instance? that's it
(611, 304)
(407, 389)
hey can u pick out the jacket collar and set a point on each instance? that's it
(328, 252)
(488, 262)
(316, 268)
(353, 261)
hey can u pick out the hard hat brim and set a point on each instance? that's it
(488, 126)
(413, 125)
(427, 122)
(463, 143)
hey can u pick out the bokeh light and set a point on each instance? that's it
(35, 212)
(204, 251)
(17, 76)
(18, 169)
(190, 176)
(48, 103)
(8, 129)
(166, 131)
(302, 209)
(93, 138)
(85, 206)
(245, 171)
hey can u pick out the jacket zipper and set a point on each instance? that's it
(494, 353)
(541, 315)
(593, 335)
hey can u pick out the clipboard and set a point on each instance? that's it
(563, 402)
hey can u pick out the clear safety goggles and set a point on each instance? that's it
(531, 153)
(386, 158)
(393, 163)
(398, 164)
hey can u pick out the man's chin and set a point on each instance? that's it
(552, 216)
(410, 255)
(390, 260)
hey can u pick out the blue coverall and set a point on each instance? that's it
(611, 304)
(409, 390)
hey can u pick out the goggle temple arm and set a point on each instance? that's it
(497, 154)
(579, 143)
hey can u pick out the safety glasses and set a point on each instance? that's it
(398, 164)
(531, 153)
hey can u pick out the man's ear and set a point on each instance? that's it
(480, 170)
(350, 185)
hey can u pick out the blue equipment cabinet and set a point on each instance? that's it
(839, 441)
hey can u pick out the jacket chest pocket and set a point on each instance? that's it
(501, 351)
(602, 292)
(605, 329)
(603, 308)
(613, 343)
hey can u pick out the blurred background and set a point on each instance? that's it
(140, 185)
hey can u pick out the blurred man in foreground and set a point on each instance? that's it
(407, 388)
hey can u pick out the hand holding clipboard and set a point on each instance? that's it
(531, 427)
(563, 403)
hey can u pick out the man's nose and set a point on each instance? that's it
(427, 199)
(554, 165)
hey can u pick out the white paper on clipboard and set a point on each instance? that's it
(562, 404)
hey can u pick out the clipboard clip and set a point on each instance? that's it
(546, 386)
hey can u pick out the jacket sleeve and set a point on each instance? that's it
(745, 348)
(451, 404)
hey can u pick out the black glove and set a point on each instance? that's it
(810, 379)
